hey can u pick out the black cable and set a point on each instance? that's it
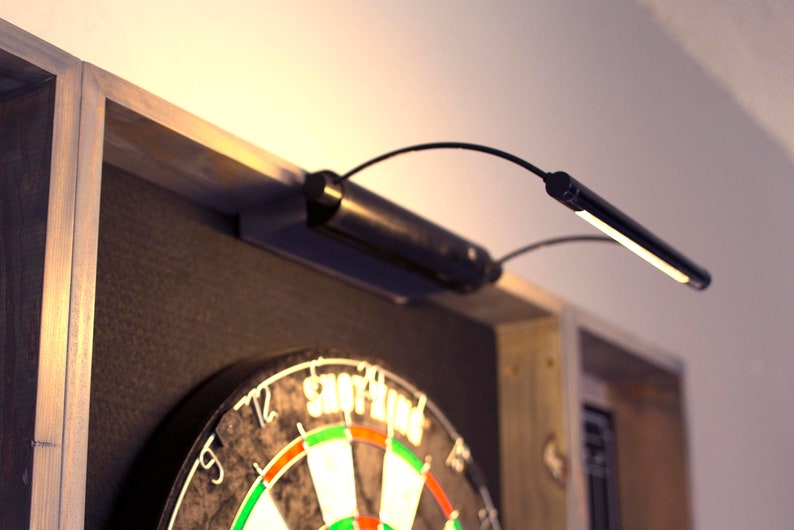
(447, 145)
(550, 242)
(490, 151)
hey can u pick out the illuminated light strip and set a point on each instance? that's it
(633, 246)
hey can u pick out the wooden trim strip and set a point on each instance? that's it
(48, 451)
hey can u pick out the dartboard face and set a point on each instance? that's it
(328, 442)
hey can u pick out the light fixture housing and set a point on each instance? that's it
(605, 217)
(384, 248)
(379, 227)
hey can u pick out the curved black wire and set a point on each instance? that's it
(490, 151)
(447, 145)
(550, 242)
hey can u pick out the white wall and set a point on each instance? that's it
(594, 88)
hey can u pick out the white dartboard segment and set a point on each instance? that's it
(330, 459)
(401, 486)
(307, 422)
(265, 514)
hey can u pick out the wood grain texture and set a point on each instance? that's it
(652, 457)
(176, 150)
(492, 305)
(577, 501)
(48, 462)
(643, 388)
(16, 73)
(26, 59)
(25, 140)
(81, 308)
(28, 63)
(531, 415)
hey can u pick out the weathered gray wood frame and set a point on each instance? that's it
(50, 461)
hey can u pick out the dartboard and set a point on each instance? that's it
(319, 440)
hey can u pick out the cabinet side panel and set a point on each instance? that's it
(532, 425)
(652, 457)
(26, 118)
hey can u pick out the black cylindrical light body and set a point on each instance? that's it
(579, 198)
(375, 225)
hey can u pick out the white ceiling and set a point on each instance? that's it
(747, 47)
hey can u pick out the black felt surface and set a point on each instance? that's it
(179, 297)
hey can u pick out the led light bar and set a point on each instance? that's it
(614, 223)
